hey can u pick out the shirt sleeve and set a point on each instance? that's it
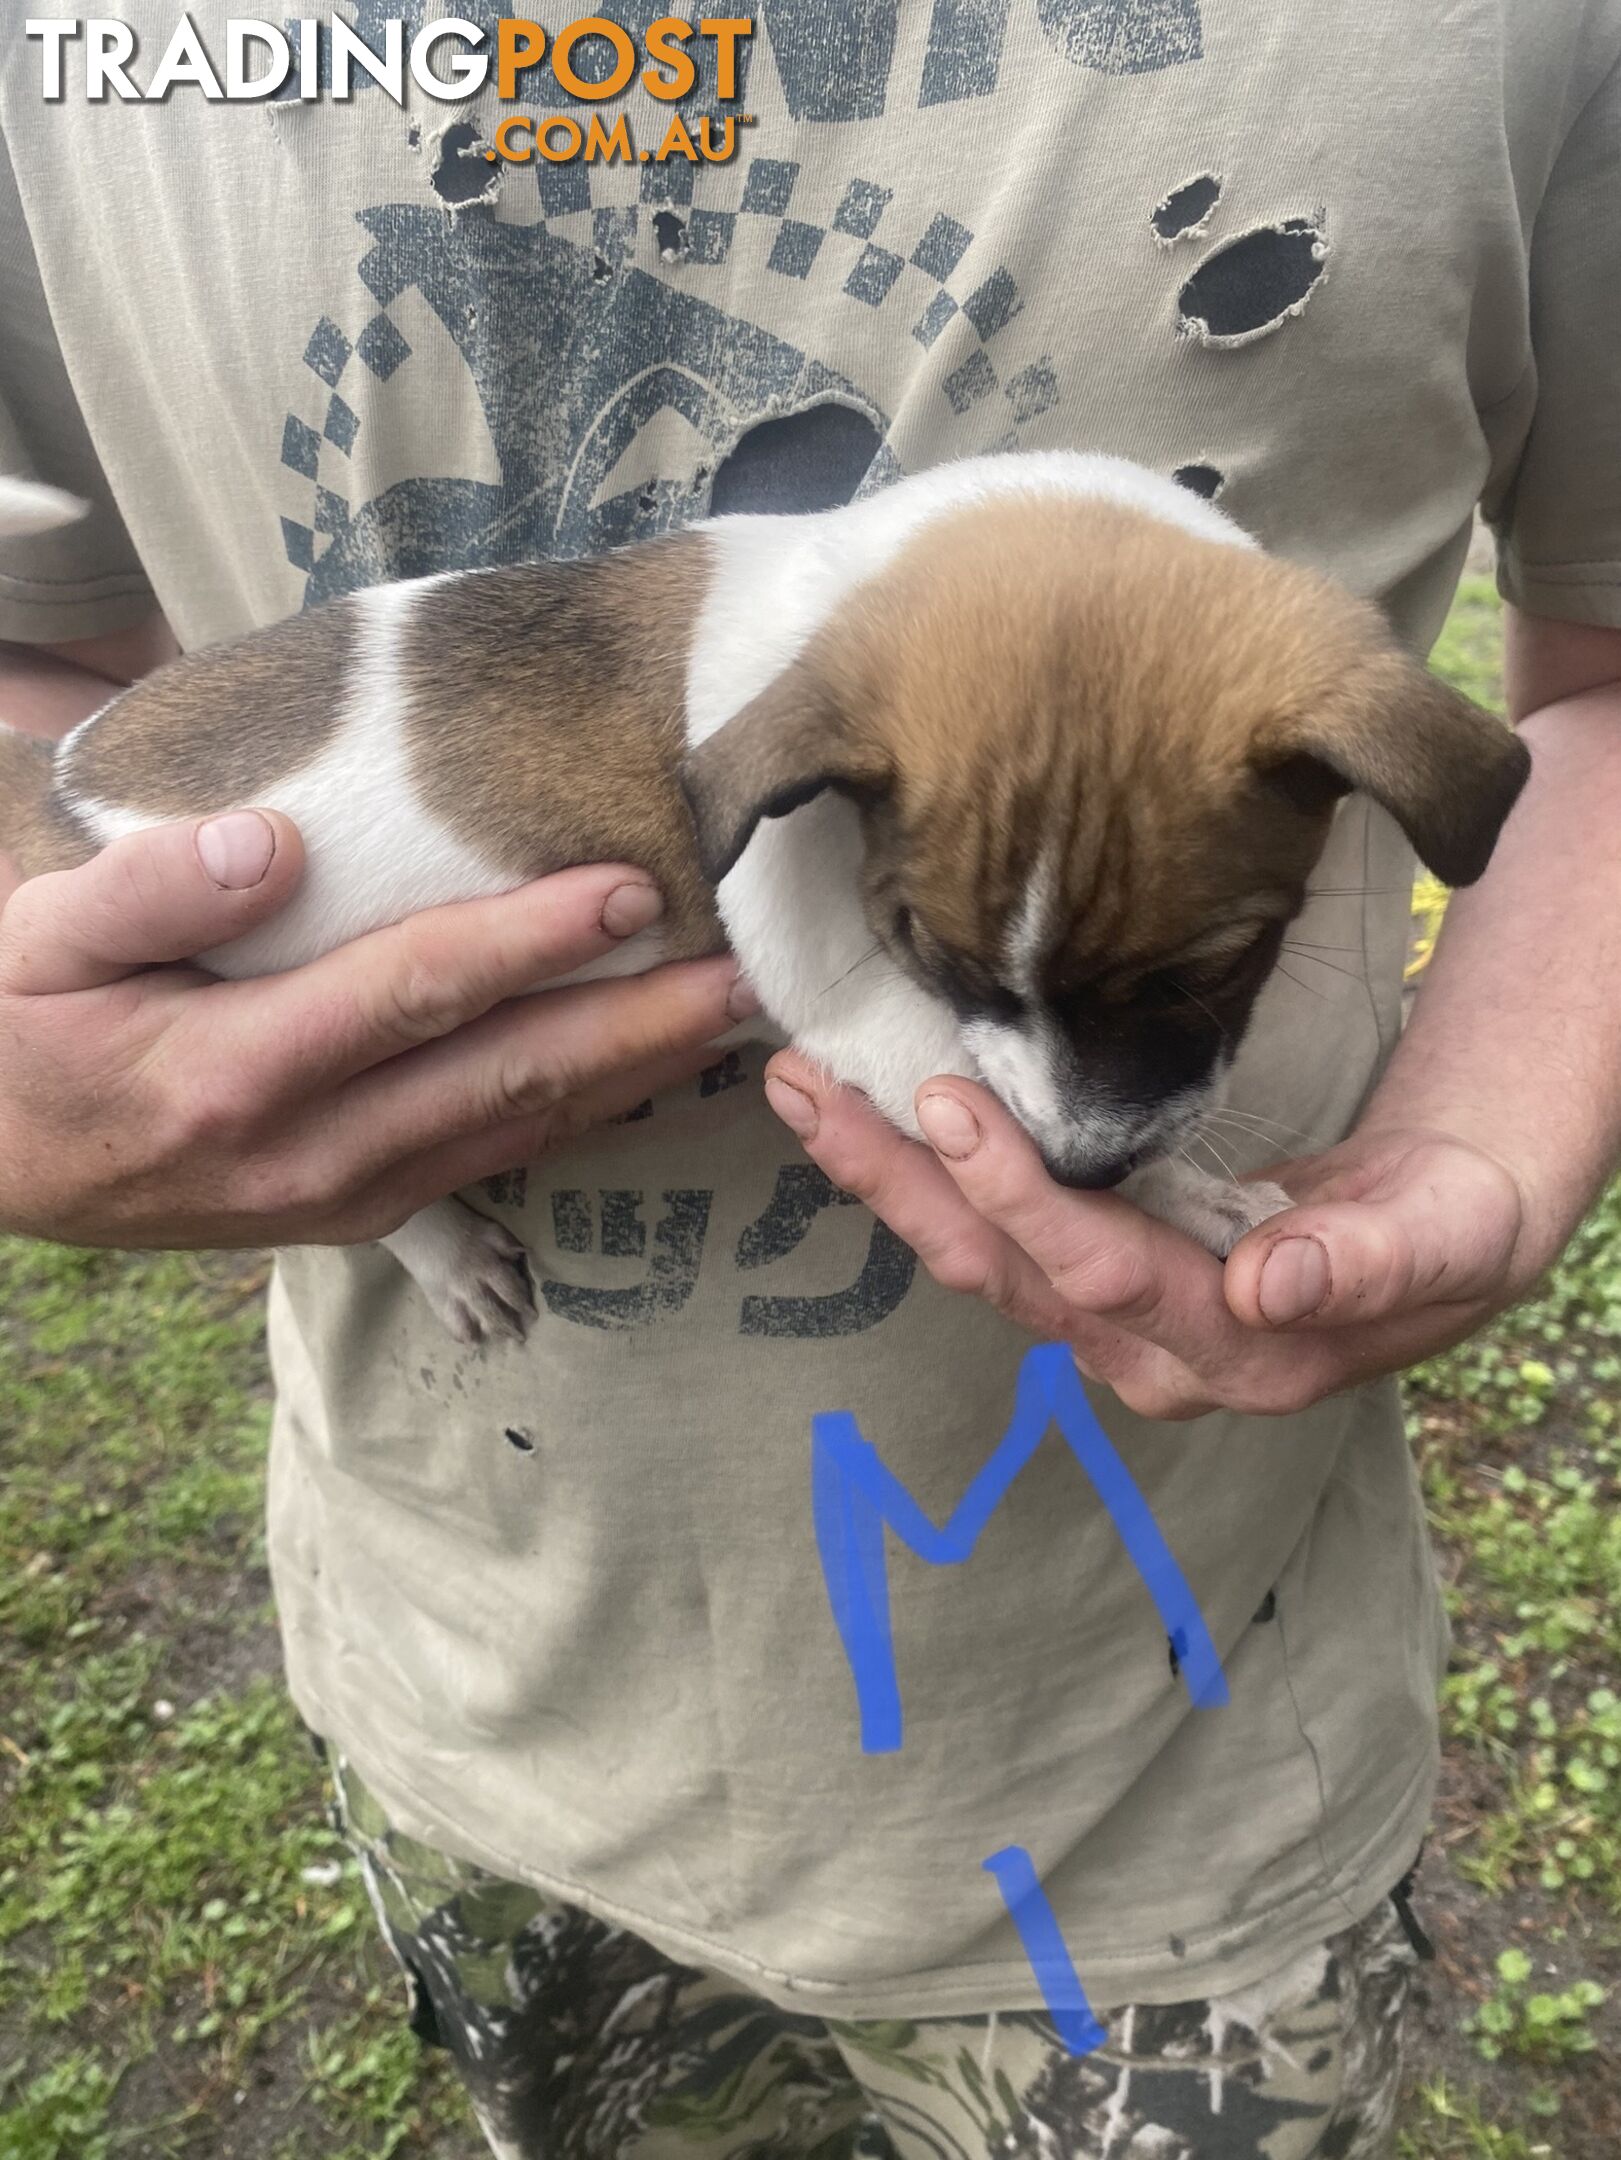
(85, 579)
(1559, 532)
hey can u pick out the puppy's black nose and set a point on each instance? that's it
(1093, 1177)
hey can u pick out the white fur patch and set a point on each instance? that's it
(793, 914)
(1020, 1063)
(1033, 925)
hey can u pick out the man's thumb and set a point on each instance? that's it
(164, 894)
(1348, 1262)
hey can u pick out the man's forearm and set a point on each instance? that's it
(1515, 1040)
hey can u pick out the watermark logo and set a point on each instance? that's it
(590, 61)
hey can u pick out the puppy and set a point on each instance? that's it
(1017, 770)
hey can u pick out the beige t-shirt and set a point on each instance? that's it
(564, 1607)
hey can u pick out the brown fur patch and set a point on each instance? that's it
(1082, 677)
(546, 708)
(1077, 682)
(218, 726)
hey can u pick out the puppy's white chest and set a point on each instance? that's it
(793, 914)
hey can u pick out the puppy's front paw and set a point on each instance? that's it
(486, 1291)
(1231, 1212)
(474, 1273)
(1212, 1211)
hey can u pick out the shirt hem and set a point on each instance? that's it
(1564, 592)
(1268, 1941)
(32, 618)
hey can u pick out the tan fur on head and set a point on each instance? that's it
(1173, 718)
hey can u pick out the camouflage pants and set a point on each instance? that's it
(578, 2041)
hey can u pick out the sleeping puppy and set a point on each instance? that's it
(1017, 771)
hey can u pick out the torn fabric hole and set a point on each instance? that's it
(1253, 285)
(1205, 480)
(462, 169)
(1186, 212)
(813, 459)
(670, 234)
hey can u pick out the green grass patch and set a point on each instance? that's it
(1469, 651)
(1446, 2124)
(1526, 1487)
(159, 1807)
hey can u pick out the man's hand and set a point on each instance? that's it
(1401, 1244)
(143, 1103)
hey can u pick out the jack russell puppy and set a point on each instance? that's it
(1017, 770)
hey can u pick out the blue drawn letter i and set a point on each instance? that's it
(1060, 1984)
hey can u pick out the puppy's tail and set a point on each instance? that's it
(35, 831)
(26, 765)
(28, 506)
(31, 831)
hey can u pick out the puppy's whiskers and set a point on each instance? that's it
(1299, 985)
(870, 955)
(1262, 1127)
(1306, 952)
(1188, 1159)
(1201, 1138)
(1182, 990)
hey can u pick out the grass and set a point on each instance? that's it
(1469, 651)
(187, 1965)
(1520, 1441)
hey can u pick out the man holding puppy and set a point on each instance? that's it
(594, 1662)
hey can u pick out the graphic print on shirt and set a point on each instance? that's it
(614, 352)
(642, 402)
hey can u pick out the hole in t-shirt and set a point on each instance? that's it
(810, 460)
(1205, 480)
(520, 1440)
(1187, 210)
(1254, 285)
(670, 234)
(462, 170)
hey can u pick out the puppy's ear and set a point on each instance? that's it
(1445, 770)
(790, 744)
